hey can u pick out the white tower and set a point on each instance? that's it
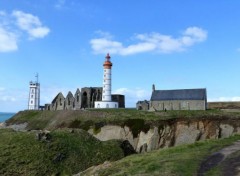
(107, 86)
(34, 95)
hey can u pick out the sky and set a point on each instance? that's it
(172, 44)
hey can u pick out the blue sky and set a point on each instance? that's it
(173, 44)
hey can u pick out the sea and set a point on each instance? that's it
(5, 115)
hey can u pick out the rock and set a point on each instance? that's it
(226, 130)
(149, 139)
(2, 125)
(43, 136)
(127, 148)
(165, 135)
(186, 133)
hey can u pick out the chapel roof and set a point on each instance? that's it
(179, 94)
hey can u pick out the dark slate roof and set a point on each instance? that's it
(180, 94)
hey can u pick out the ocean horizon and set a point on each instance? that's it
(5, 116)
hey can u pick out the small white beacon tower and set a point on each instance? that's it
(34, 95)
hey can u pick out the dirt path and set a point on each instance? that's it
(216, 158)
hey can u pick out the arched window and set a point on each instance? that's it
(77, 97)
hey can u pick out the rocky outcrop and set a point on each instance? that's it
(16, 127)
(166, 134)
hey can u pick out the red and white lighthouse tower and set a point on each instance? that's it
(107, 86)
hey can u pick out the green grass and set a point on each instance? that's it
(89, 118)
(22, 154)
(182, 160)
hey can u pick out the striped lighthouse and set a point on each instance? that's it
(107, 86)
(107, 71)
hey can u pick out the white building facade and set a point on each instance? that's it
(107, 86)
(34, 95)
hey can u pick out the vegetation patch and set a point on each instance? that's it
(86, 125)
(136, 126)
(65, 153)
(76, 123)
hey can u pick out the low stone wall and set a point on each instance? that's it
(170, 134)
(224, 105)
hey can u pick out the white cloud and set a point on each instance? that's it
(236, 98)
(60, 4)
(154, 42)
(8, 41)
(13, 25)
(31, 24)
(132, 96)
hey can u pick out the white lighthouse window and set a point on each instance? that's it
(31, 96)
(31, 102)
(32, 90)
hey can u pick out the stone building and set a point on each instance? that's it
(180, 99)
(81, 99)
(77, 99)
(120, 99)
(69, 101)
(58, 102)
(90, 95)
(142, 105)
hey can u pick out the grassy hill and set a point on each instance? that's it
(177, 161)
(65, 153)
(68, 153)
(92, 117)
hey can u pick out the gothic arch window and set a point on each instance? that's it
(69, 102)
(60, 101)
(77, 97)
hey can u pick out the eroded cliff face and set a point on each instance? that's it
(166, 134)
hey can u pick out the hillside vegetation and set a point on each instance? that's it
(65, 153)
(177, 161)
(93, 117)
